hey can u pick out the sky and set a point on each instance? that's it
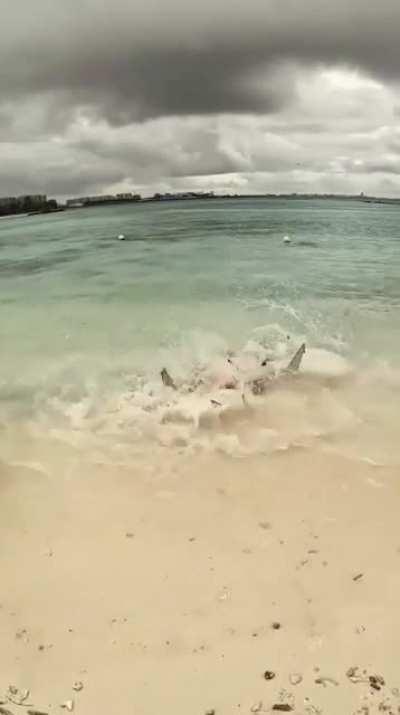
(106, 96)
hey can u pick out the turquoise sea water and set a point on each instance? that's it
(84, 316)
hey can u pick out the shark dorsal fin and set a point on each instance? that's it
(296, 359)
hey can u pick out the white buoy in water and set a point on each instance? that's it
(287, 239)
(121, 237)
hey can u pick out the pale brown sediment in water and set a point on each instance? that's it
(156, 584)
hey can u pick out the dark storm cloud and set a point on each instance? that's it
(261, 95)
(127, 60)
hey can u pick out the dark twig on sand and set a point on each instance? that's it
(326, 681)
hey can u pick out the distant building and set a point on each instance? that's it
(25, 204)
(184, 195)
(86, 200)
(74, 203)
(101, 199)
(33, 199)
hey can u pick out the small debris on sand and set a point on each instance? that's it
(264, 525)
(77, 686)
(37, 712)
(129, 535)
(326, 681)
(376, 682)
(22, 634)
(210, 712)
(257, 707)
(68, 705)
(269, 675)
(282, 707)
(312, 709)
(16, 696)
(355, 676)
(358, 577)
(295, 678)
(276, 626)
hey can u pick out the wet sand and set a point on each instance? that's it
(173, 586)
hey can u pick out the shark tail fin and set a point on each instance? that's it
(167, 379)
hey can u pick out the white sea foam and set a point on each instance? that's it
(324, 404)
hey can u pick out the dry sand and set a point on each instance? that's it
(157, 587)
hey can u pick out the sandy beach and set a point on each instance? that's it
(174, 588)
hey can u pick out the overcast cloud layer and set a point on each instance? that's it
(99, 96)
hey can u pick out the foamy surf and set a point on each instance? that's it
(322, 406)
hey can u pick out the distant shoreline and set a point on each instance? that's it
(225, 197)
(235, 197)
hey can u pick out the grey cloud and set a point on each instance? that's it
(150, 151)
(45, 167)
(247, 153)
(125, 61)
(17, 181)
(383, 166)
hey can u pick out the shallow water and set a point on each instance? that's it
(88, 321)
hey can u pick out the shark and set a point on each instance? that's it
(257, 382)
